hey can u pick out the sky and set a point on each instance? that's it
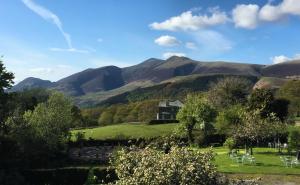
(51, 39)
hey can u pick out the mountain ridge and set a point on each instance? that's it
(153, 71)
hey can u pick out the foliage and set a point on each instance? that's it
(264, 101)
(179, 166)
(196, 112)
(45, 130)
(107, 117)
(6, 78)
(6, 81)
(294, 138)
(228, 119)
(291, 92)
(91, 178)
(254, 127)
(143, 111)
(229, 91)
(230, 143)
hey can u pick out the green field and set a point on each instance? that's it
(128, 131)
(267, 162)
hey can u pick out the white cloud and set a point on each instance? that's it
(290, 7)
(280, 59)
(190, 45)
(283, 58)
(74, 50)
(187, 21)
(270, 13)
(249, 16)
(275, 12)
(50, 16)
(170, 54)
(245, 16)
(167, 41)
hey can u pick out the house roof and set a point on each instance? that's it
(167, 103)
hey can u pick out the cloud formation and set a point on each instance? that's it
(51, 17)
(167, 41)
(283, 58)
(251, 15)
(189, 22)
(170, 54)
(245, 16)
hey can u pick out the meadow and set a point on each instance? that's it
(128, 131)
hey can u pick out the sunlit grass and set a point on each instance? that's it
(128, 131)
(267, 162)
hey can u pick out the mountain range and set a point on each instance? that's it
(95, 86)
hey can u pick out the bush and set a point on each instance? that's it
(229, 143)
(155, 167)
(294, 138)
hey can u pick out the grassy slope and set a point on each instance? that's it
(94, 98)
(271, 82)
(268, 162)
(130, 131)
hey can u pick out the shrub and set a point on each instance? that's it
(230, 143)
(294, 139)
(155, 167)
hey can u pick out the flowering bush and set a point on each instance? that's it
(154, 167)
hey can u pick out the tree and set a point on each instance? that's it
(228, 119)
(196, 112)
(253, 128)
(50, 122)
(106, 118)
(291, 92)
(6, 81)
(264, 101)
(229, 91)
(6, 78)
(294, 138)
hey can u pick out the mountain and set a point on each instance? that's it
(95, 86)
(285, 69)
(30, 83)
(91, 80)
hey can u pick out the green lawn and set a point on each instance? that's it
(268, 162)
(128, 131)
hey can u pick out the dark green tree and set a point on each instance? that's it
(229, 91)
(6, 81)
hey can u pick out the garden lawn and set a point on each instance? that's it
(128, 131)
(268, 162)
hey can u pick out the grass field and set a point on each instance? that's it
(128, 131)
(267, 162)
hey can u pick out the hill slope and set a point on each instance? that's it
(31, 83)
(114, 84)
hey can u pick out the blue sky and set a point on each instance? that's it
(51, 39)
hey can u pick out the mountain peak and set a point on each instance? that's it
(178, 58)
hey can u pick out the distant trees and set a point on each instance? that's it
(229, 91)
(143, 111)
